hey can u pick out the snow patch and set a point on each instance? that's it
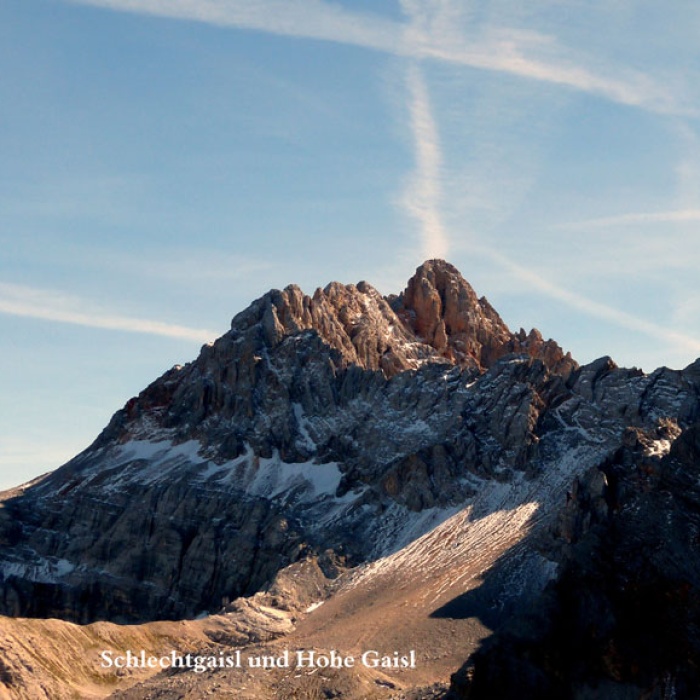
(305, 439)
(157, 450)
(272, 477)
(462, 542)
(658, 448)
(161, 458)
(41, 570)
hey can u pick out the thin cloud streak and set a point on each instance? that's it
(311, 19)
(29, 302)
(590, 307)
(315, 19)
(679, 216)
(503, 54)
(422, 197)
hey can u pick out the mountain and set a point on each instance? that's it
(404, 459)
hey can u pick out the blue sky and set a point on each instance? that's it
(164, 162)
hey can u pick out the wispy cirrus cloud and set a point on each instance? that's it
(434, 36)
(636, 218)
(422, 197)
(48, 305)
(310, 19)
(588, 306)
(423, 201)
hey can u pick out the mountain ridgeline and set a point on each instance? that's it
(342, 427)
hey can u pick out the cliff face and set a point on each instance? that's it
(442, 309)
(342, 424)
(622, 617)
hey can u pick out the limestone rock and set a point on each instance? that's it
(441, 308)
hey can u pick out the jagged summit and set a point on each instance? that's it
(238, 391)
(442, 308)
(438, 318)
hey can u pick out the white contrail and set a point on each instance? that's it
(30, 302)
(502, 52)
(308, 19)
(422, 197)
(588, 306)
(637, 218)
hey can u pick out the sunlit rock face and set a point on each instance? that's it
(443, 310)
(343, 423)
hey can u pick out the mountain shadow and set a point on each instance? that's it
(621, 619)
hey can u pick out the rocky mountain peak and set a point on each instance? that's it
(342, 335)
(442, 309)
(437, 318)
(353, 320)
